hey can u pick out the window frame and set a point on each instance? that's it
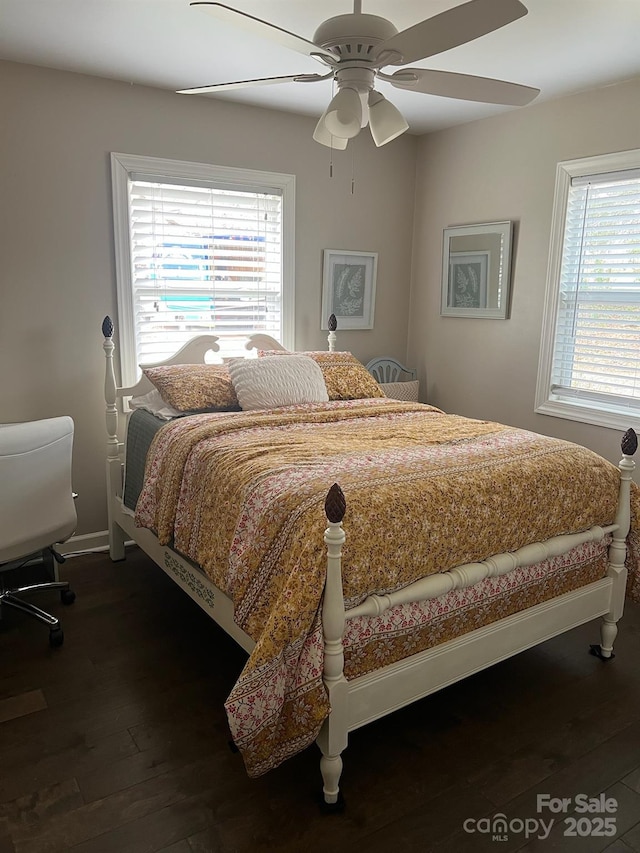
(547, 403)
(122, 167)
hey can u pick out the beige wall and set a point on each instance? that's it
(498, 169)
(57, 277)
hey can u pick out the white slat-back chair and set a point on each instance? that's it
(397, 381)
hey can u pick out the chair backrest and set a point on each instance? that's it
(387, 369)
(36, 499)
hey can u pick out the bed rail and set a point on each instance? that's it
(470, 574)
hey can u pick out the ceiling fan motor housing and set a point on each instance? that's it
(354, 36)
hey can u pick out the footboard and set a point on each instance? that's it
(369, 697)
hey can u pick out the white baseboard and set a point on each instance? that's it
(86, 542)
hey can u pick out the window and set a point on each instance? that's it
(200, 249)
(590, 353)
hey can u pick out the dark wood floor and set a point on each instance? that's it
(118, 740)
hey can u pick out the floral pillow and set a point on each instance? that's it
(346, 378)
(194, 387)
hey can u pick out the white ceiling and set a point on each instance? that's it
(560, 47)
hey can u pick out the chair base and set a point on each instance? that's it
(10, 598)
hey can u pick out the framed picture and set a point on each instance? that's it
(349, 288)
(468, 276)
(476, 270)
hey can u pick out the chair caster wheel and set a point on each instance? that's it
(67, 596)
(56, 637)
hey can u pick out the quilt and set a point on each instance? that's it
(242, 495)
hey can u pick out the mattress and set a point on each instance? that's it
(141, 430)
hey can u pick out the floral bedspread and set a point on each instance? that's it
(242, 495)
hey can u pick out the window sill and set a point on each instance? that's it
(611, 418)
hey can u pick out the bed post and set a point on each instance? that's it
(333, 735)
(618, 549)
(331, 338)
(114, 467)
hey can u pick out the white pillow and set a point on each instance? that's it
(266, 383)
(154, 403)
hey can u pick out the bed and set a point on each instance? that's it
(466, 542)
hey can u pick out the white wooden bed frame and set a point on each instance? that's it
(360, 701)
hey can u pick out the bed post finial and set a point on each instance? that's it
(107, 327)
(333, 325)
(629, 443)
(335, 504)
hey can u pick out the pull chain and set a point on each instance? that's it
(353, 170)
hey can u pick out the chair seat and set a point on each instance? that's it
(407, 391)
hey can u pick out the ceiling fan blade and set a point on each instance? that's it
(259, 81)
(264, 29)
(466, 87)
(451, 28)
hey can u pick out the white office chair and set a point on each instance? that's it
(37, 508)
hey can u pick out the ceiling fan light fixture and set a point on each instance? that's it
(385, 120)
(322, 135)
(343, 116)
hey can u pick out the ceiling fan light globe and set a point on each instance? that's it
(385, 120)
(322, 135)
(343, 116)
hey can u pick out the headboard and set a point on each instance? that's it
(193, 352)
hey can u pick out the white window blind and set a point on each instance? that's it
(204, 259)
(200, 249)
(597, 345)
(589, 367)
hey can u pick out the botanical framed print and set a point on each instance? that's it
(349, 288)
(468, 276)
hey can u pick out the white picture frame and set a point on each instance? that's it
(476, 271)
(349, 288)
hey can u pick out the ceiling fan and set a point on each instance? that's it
(356, 47)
